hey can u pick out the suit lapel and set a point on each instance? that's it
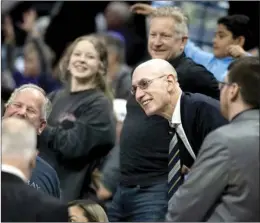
(183, 112)
(187, 122)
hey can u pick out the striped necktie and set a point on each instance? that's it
(174, 167)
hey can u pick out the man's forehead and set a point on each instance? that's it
(143, 72)
(167, 19)
(222, 28)
(30, 92)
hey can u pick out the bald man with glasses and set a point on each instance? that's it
(191, 116)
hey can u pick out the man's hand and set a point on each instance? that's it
(142, 9)
(103, 193)
(185, 170)
(236, 51)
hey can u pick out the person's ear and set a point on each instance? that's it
(240, 41)
(42, 126)
(184, 41)
(233, 92)
(171, 80)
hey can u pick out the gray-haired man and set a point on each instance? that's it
(18, 201)
(30, 103)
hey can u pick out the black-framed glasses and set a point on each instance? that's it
(144, 84)
(221, 84)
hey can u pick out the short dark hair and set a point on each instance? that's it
(238, 25)
(246, 73)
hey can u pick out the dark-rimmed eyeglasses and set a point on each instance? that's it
(144, 84)
(221, 84)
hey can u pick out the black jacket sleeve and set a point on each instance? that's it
(95, 127)
(204, 81)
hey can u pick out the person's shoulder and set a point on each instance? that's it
(45, 178)
(100, 101)
(192, 66)
(29, 195)
(45, 167)
(32, 203)
(201, 100)
(233, 131)
(43, 199)
(204, 108)
(51, 201)
(50, 208)
(222, 135)
(52, 95)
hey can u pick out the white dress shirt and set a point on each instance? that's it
(14, 171)
(176, 123)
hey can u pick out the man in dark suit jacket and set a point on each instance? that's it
(19, 202)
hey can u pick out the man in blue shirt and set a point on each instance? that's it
(231, 34)
(44, 178)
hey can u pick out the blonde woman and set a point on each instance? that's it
(86, 211)
(81, 126)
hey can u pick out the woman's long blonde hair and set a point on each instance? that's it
(100, 78)
(92, 211)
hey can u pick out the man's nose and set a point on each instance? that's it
(157, 41)
(22, 112)
(139, 94)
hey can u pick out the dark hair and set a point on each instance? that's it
(246, 73)
(238, 25)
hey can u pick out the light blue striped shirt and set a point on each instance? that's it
(217, 66)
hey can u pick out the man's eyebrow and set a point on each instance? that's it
(31, 107)
(138, 81)
(221, 32)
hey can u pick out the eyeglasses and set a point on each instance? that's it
(221, 84)
(144, 84)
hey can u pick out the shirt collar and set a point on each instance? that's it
(176, 117)
(13, 170)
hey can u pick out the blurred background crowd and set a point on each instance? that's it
(43, 48)
(45, 29)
